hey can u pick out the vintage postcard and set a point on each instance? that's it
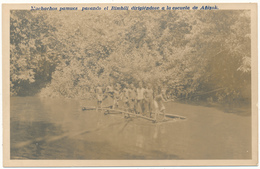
(130, 84)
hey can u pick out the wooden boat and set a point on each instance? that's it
(94, 108)
(108, 110)
(173, 116)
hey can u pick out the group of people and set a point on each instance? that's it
(141, 99)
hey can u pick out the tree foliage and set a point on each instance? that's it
(188, 52)
(32, 52)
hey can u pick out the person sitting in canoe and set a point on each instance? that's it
(159, 98)
(99, 95)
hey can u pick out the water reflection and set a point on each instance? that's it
(59, 129)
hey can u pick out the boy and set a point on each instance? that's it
(140, 98)
(148, 95)
(99, 95)
(158, 103)
(126, 97)
(132, 97)
(116, 95)
(109, 91)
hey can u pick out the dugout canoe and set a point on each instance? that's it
(109, 110)
(173, 116)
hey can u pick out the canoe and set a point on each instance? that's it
(173, 116)
(94, 108)
(109, 110)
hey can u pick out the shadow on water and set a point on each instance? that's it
(28, 139)
(34, 141)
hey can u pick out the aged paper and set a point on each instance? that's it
(130, 84)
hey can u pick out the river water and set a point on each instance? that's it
(59, 129)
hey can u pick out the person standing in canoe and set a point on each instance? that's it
(159, 98)
(109, 91)
(109, 95)
(116, 95)
(132, 98)
(140, 98)
(99, 95)
(148, 97)
(125, 97)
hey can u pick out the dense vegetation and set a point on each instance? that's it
(192, 53)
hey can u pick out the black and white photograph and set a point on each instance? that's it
(131, 82)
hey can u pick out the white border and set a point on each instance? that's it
(114, 1)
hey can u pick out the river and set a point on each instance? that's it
(59, 129)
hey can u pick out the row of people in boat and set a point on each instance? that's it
(144, 100)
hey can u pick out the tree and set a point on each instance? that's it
(32, 56)
(188, 52)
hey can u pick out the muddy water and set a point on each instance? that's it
(59, 129)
